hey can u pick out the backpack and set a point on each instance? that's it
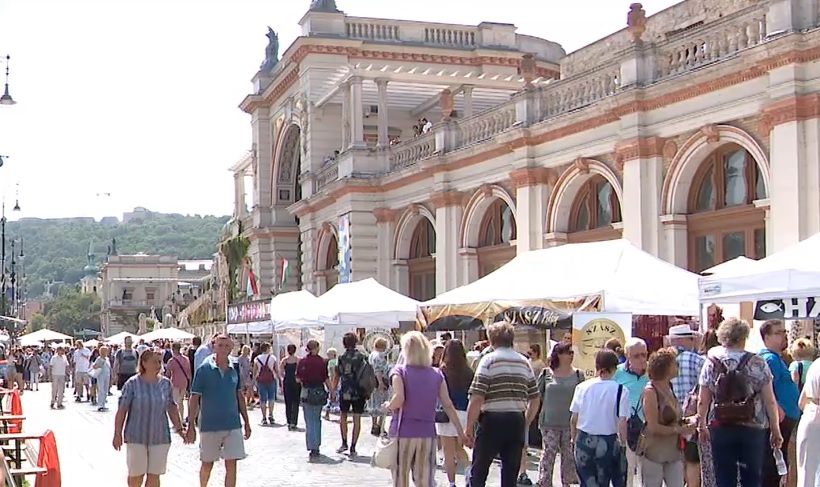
(366, 378)
(265, 373)
(733, 403)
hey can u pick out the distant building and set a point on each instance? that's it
(139, 213)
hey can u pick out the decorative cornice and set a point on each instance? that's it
(533, 176)
(385, 215)
(254, 102)
(638, 148)
(444, 199)
(795, 108)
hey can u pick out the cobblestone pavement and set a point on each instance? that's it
(276, 457)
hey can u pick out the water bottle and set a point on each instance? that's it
(782, 469)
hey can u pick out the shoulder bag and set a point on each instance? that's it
(386, 454)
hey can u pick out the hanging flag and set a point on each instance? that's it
(253, 290)
(285, 272)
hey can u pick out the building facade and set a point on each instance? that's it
(669, 132)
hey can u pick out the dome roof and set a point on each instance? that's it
(91, 270)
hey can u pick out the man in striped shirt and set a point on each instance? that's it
(503, 401)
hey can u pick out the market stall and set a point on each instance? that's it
(249, 318)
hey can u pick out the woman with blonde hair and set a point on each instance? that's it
(803, 353)
(417, 388)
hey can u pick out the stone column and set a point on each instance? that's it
(385, 229)
(384, 119)
(308, 258)
(468, 265)
(401, 276)
(793, 128)
(640, 161)
(674, 247)
(468, 101)
(239, 209)
(356, 112)
(364, 245)
(263, 179)
(531, 191)
(449, 206)
(346, 125)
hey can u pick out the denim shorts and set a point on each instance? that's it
(267, 392)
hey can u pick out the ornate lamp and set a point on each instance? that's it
(6, 99)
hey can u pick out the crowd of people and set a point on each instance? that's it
(701, 412)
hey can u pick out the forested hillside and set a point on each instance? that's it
(55, 250)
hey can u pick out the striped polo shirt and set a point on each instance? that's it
(506, 381)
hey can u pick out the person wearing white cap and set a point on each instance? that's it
(685, 341)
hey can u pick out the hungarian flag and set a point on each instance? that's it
(253, 290)
(285, 272)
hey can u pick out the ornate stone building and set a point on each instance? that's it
(668, 132)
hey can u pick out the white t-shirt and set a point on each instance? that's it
(263, 359)
(58, 364)
(82, 360)
(594, 403)
(812, 388)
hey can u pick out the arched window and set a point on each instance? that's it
(496, 236)
(723, 222)
(421, 265)
(330, 270)
(595, 209)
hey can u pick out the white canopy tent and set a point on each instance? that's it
(365, 304)
(119, 338)
(791, 273)
(45, 335)
(297, 309)
(174, 334)
(628, 280)
(738, 265)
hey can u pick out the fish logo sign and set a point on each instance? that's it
(788, 309)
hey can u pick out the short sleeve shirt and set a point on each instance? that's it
(217, 390)
(147, 404)
(349, 365)
(591, 402)
(757, 373)
(812, 388)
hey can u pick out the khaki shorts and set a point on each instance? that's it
(81, 378)
(227, 445)
(146, 460)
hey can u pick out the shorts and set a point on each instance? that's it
(121, 379)
(355, 406)
(690, 452)
(267, 392)
(81, 378)
(227, 445)
(146, 459)
(448, 430)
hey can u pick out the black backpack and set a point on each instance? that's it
(734, 401)
(634, 425)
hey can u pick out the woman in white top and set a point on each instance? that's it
(599, 436)
(808, 430)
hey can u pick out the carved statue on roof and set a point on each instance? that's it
(636, 22)
(114, 247)
(324, 6)
(271, 52)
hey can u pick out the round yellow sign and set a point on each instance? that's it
(591, 338)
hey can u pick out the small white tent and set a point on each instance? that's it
(366, 304)
(791, 273)
(738, 265)
(44, 335)
(628, 280)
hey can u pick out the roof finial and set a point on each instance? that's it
(324, 6)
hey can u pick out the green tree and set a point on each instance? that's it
(71, 311)
(37, 322)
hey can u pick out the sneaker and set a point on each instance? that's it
(264, 422)
(270, 420)
(524, 480)
(313, 454)
(60, 406)
(51, 406)
(342, 448)
(102, 410)
(352, 451)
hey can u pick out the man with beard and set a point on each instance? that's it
(785, 392)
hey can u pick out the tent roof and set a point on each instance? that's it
(738, 265)
(45, 335)
(792, 272)
(629, 279)
(296, 309)
(366, 303)
(167, 334)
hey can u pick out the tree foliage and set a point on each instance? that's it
(55, 250)
(71, 311)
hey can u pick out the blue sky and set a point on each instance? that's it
(138, 98)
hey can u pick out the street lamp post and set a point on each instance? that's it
(6, 99)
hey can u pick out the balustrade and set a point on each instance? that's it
(373, 30)
(485, 125)
(408, 153)
(327, 175)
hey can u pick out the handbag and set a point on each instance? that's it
(441, 416)
(314, 396)
(386, 454)
(95, 372)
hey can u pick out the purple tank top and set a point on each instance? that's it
(418, 415)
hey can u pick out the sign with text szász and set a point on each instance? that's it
(788, 309)
(250, 312)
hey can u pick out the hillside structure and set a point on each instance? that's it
(434, 153)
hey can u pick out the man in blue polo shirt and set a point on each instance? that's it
(786, 393)
(217, 388)
(632, 375)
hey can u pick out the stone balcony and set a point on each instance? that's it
(638, 65)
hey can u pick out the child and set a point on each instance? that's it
(331, 370)
(803, 353)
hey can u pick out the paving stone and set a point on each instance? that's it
(276, 456)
